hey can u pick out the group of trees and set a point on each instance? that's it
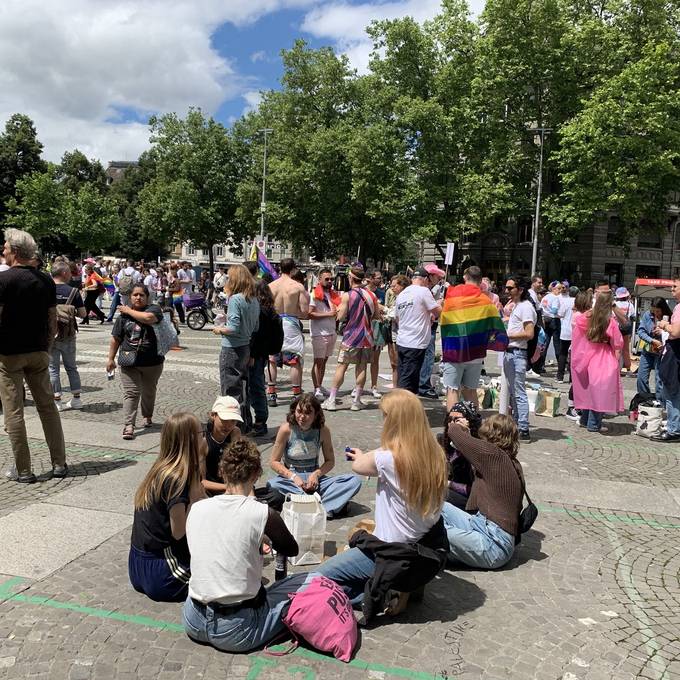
(435, 141)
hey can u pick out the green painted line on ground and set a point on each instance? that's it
(258, 663)
(609, 517)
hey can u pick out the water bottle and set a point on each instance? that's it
(220, 319)
(280, 566)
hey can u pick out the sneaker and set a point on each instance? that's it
(323, 390)
(572, 414)
(271, 399)
(524, 436)
(76, 404)
(60, 471)
(376, 393)
(260, 429)
(532, 374)
(63, 406)
(329, 405)
(30, 478)
(354, 393)
(357, 405)
(318, 394)
(430, 394)
(560, 380)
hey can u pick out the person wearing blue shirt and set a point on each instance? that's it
(650, 344)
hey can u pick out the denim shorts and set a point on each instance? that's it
(465, 375)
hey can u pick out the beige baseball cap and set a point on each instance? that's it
(227, 408)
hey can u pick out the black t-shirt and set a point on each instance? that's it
(133, 334)
(26, 294)
(151, 528)
(63, 293)
(212, 460)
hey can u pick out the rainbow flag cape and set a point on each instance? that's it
(263, 263)
(470, 325)
(108, 284)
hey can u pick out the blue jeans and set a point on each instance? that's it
(591, 419)
(649, 361)
(64, 350)
(515, 369)
(257, 392)
(475, 540)
(428, 363)
(243, 630)
(115, 301)
(673, 412)
(350, 570)
(335, 491)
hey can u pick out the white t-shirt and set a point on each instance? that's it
(550, 305)
(413, 306)
(185, 280)
(566, 311)
(394, 520)
(224, 534)
(627, 307)
(523, 312)
(325, 326)
(131, 271)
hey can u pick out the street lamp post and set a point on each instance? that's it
(542, 131)
(263, 204)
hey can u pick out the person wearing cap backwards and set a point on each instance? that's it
(438, 289)
(626, 309)
(416, 309)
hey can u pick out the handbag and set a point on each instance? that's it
(128, 358)
(528, 515)
(166, 336)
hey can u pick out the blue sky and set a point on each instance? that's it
(90, 73)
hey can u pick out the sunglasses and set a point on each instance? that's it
(510, 287)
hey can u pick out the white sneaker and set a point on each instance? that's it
(329, 405)
(75, 403)
(354, 393)
(376, 393)
(357, 405)
(324, 391)
(532, 374)
(63, 406)
(319, 394)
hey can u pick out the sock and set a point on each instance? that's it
(332, 393)
(357, 394)
(297, 390)
(271, 388)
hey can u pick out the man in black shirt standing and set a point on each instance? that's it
(28, 325)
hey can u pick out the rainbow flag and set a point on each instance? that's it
(263, 263)
(470, 325)
(108, 284)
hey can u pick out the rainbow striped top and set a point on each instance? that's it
(470, 325)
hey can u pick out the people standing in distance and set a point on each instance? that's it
(437, 286)
(323, 310)
(397, 284)
(28, 326)
(92, 286)
(521, 325)
(374, 285)
(291, 304)
(651, 345)
(565, 314)
(535, 367)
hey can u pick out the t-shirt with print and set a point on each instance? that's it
(361, 306)
(550, 306)
(26, 294)
(151, 530)
(321, 326)
(394, 520)
(414, 325)
(131, 333)
(523, 312)
(63, 293)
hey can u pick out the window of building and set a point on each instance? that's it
(649, 239)
(190, 250)
(646, 271)
(524, 229)
(614, 231)
(219, 251)
(613, 272)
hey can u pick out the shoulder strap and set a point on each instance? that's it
(71, 296)
(521, 479)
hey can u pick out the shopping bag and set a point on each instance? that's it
(547, 403)
(484, 397)
(532, 395)
(305, 518)
(649, 421)
(494, 398)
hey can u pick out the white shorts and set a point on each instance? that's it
(323, 346)
(466, 375)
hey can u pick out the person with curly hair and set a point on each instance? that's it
(295, 458)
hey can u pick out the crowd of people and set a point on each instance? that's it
(202, 527)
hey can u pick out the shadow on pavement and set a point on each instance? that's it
(91, 468)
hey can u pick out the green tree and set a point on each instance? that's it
(91, 219)
(20, 156)
(76, 169)
(192, 197)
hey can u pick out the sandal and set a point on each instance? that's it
(128, 432)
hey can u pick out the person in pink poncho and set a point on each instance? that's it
(596, 344)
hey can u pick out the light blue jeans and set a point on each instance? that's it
(591, 419)
(649, 361)
(515, 369)
(64, 350)
(350, 570)
(673, 412)
(428, 363)
(335, 491)
(475, 540)
(242, 630)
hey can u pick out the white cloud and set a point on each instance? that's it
(74, 65)
(345, 24)
(253, 99)
(261, 55)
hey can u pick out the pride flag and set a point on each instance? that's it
(470, 325)
(108, 284)
(263, 263)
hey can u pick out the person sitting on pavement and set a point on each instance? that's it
(484, 534)
(295, 458)
(461, 475)
(140, 364)
(228, 607)
(411, 473)
(158, 564)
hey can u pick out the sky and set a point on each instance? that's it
(90, 72)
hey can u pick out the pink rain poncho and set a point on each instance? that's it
(595, 369)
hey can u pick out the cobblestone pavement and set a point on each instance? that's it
(591, 593)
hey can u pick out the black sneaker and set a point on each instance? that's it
(430, 394)
(60, 471)
(260, 429)
(572, 414)
(30, 478)
(271, 399)
(524, 436)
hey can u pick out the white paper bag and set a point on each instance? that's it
(649, 421)
(305, 518)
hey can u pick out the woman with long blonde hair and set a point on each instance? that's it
(595, 371)
(158, 564)
(411, 472)
(243, 318)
